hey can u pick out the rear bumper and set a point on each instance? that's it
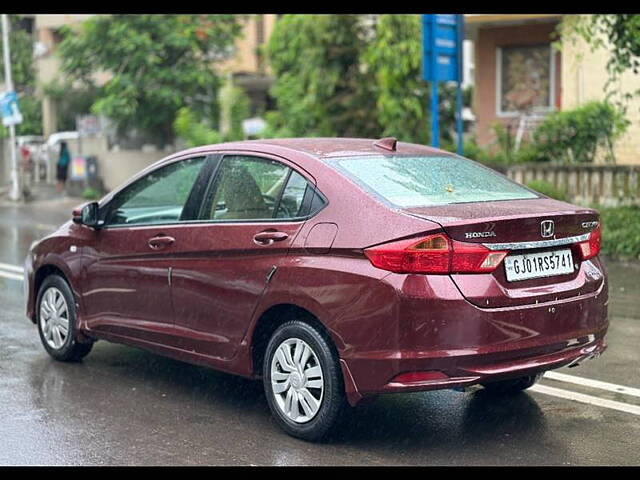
(465, 345)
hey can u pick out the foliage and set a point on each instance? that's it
(569, 136)
(340, 75)
(24, 78)
(548, 189)
(621, 231)
(575, 136)
(234, 108)
(394, 57)
(156, 64)
(193, 131)
(321, 85)
(504, 153)
(91, 194)
(620, 34)
(70, 102)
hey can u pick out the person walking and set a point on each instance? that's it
(63, 166)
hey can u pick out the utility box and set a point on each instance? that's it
(83, 174)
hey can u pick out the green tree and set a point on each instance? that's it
(394, 56)
(321, 85)
(70, 101)
(24, 78)
(340, 75)
(234, 108)
(156, 65)
(403, 98)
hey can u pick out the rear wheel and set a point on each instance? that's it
(303, 381)
(56, 318)
(512, 386)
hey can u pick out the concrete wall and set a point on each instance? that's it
(115, 166)
(584, 76)
(586, 184)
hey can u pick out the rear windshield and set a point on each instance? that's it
(407, 181)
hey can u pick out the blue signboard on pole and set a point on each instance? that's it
(9, 109)
(442, 36)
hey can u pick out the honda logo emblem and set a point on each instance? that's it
(546, 228)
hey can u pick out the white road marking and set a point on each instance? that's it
(12, 276)
(587, 382)
(582, 398)
(11, 268)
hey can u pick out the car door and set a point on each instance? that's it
(126, 289)
(251, 213)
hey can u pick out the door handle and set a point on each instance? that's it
(267, 238)
(160, 241)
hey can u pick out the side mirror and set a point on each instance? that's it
(86, 214)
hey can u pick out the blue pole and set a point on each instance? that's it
(435, 118)
(459, 89)
(435, 121)
(459, 118)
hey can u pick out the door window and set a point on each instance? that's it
(158, 197)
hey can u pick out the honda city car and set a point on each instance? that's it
(332, 269)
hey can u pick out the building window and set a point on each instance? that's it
(525, 79)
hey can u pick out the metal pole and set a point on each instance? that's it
(459, 89)
(435, 120)
(15, 192)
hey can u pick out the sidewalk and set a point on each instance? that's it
(41, 193)
(45, 206)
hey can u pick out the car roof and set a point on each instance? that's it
(327, 148)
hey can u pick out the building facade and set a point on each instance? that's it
(520, 77)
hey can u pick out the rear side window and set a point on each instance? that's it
(254, 188)
(408, 181)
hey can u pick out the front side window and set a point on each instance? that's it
(407, 181)
(254, 188)
(158, 197)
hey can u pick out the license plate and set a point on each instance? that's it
(538, 265)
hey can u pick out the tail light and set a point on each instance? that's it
(591, 247)
(434, 254)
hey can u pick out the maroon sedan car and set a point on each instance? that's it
(334, 269)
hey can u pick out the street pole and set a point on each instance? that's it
(435, 115)
(460, 37)
(15, 192)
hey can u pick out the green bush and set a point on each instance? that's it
(621, 231)
(576, 136)
(193, 131)
(548, 189)
(91, 194)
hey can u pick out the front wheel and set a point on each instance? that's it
(56, 318)
(512, 386)
(303, 381)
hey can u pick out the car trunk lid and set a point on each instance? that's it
(518, 226)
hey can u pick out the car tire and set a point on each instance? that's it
(55, 313)
(312, 365)
(512, 386)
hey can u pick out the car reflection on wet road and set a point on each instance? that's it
(124, 406)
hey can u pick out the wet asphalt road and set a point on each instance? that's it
(124, 406)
